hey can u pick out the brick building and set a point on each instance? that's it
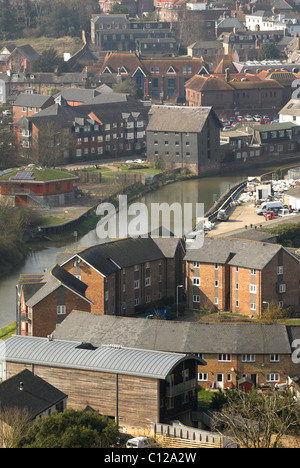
(243, 92)
(244, 277)
(123, 275)
(45, 300)
(161, 78)
(262, 353)
(70, 128)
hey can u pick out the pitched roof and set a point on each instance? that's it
(27, 391)
(110, 257)
(74, 355)
(207, 83)
(225, 63)
(33, 100)
(291, 108)
(243, 253)
(172, 336)
(179, 118)
(49, 282)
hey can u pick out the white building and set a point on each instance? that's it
(291, 111)
(263, 21)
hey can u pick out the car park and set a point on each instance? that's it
(227, 128)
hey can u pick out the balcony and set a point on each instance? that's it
(183, 387)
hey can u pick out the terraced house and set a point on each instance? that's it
(244, 277)
(261, 354)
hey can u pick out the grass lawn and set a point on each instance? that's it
(205, 397)
(7, 331)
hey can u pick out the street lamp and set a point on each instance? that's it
(177, 287)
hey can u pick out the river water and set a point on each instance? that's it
(193, 191)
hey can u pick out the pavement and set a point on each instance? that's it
(245, 215)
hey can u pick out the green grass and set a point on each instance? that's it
(52, 221)
(204, 397)
(8, 331)
(42, 175)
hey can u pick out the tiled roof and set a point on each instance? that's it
(179, 118)
(36, 395)
(172, 336)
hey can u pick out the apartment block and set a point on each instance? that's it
(244, 277)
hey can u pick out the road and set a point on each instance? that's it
(244, 215)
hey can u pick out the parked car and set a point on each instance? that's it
(248, 118)
(264, 122)
(227, 128)
(142, 442)
(239, 118)
(234, 124)
(256, 118)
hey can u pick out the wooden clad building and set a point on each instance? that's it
(136, 387)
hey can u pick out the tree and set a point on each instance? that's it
(257, 420)
(130, 87)
(48, 61)
(14, 424)
(71, 429)
(7, 20)
(118, 9)
(268, 52)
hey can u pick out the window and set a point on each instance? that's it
(136, 284)
(216, 266)
(196, 264)
(216, 300)
(236, 286)
(253, 271)
(224, 357)
(196, 298)
(272, 378)
(274, 358)
(147, 281)
(236, 303)
(253, 288)
(136, 301)
(216, 283)
(248, 357)
(202, 376)
(279, 270)
(282, 288)
(253, 306)
(61, 310)
(196, 281)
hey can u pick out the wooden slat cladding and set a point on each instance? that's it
(138, 397)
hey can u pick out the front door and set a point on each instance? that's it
(219, 379)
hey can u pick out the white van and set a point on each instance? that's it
(142, 442)
(266, 206)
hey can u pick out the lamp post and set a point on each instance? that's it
(177, 287)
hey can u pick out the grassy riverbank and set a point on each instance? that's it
(8, 331)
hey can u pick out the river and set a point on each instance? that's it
(193, 191)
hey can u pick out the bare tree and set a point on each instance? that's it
(14, 424)
(258, 420)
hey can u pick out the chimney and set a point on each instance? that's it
(227, 75)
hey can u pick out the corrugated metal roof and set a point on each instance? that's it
(109, 358)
